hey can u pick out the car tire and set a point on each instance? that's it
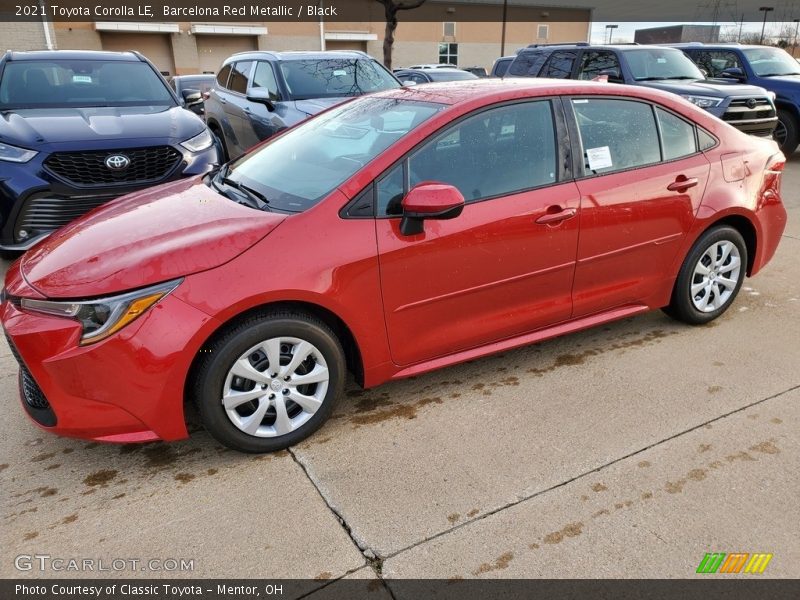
(710, 277)
(787, 133)
(266, 417)
(10, 255)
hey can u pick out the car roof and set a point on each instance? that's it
(583, 46)
(486, 90)
(297, 55)
(73, 55)
(196, 76)
(726, 45)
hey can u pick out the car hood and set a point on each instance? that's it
(144, 238)
(37, 127)
(315, 105)
(706, 88)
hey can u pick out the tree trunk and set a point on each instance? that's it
(388, 38)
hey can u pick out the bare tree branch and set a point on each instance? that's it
(390, 10)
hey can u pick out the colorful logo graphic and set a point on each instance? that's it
(736, 562)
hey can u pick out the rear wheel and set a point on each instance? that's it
(270, 382)
(786, 132)
(710, 277)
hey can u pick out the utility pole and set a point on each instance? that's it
(766, 10)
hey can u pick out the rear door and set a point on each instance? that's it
(560, 65)
(498, 270)
(643, 181)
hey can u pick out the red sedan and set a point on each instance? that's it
(391, 235)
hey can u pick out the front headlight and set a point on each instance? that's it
(14, 154)
(199, 142)
(105, 316)
(704, 101)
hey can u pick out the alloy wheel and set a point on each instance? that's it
(716, 276)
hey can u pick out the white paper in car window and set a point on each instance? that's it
(599, 158)
(81, 79)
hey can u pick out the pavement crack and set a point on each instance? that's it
(522, 499)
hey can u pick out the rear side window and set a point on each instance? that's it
(677, 136)
(527, 64)
(595, 62)
(616, 134)
(501, 67)
(264, 78)
(559, 65)
(222, 76)
(239, 75)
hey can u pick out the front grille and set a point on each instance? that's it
(34, 400)
(147, 165)
(745, 109)
(48, 213)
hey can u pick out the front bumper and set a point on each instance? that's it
(126, 388)
(34, 202)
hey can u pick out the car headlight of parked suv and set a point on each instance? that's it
(15, 154)
(103, 317)
(200, 142)
(704, 101)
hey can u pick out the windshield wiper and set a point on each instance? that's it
(260, 200)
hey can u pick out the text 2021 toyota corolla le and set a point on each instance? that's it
(391, 235)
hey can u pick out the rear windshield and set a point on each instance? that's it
(330, 78)
(442, 75)
(80, 83)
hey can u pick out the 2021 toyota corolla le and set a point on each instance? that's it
(391, 235)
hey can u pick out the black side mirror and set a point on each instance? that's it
(261, 96)
(191, 96)
(733, 73)
(612, 74)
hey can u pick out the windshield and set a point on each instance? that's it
(451, 75)
(330, 78)
(80, 83)
(652, 64)
(771, 61)
(304, 165)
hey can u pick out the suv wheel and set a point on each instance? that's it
(710, 277)
(786, 132)
(270, 381)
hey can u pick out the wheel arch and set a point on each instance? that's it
(352, 351)
(748, 232)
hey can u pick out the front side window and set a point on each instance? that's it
(771, 62)
(494, 153)
(559, 66)
(595, 62)
(616, 134)
(714, 62)
(239, 75)
(81, 83)
(264, 78)
(448, 54)
(677, 136)
(302, 166)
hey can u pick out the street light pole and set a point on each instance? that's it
(503, 34)
(610, 32)
(794, 43)
(766, 10)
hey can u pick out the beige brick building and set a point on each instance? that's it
(197, 47)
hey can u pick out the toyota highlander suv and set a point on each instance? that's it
(748, 108)
(78, 129)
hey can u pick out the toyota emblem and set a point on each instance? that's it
(118, 162)
(751, 103)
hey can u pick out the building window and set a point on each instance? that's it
(449, 29)
(542, 32)
(448, 54)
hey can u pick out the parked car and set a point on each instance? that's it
(258, 94)
(187, 86)
(501, 65)
(477, 71)
(746, 107)
(432, 66)
(80, 128)
(771, 68)
(431, 75)
(397, 233)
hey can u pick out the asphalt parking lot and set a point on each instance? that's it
(629, 450)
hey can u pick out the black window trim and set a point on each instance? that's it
(577, 145)
(563, 146)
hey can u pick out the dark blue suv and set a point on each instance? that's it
(80, 128)
(771, 68)
(258, 94)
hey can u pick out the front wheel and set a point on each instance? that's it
(786, 132)
(270, 381)
(710, 277)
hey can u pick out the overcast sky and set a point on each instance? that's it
(625, 31)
